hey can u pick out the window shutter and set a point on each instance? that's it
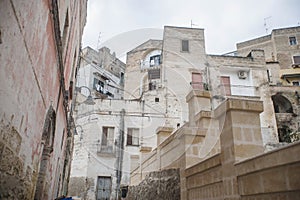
(225, 83)
(197, 81)
(129, 136)
(153, 74)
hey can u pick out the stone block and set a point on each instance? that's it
(293, 176)
(7, 161)
(243, 151)
(12, 138)
(274, 180)
(1, 149)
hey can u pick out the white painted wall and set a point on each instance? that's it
(239, 87)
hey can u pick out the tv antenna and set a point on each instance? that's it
(98, 42)
(265, 24)
(193, 24)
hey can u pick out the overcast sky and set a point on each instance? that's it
(125, 24)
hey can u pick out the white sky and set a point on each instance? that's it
(226, 22)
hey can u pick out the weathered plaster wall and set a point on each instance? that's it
(29, 77)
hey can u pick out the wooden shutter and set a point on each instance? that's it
(104, 136)
(197, 81)
(129, 136)
(225, 85)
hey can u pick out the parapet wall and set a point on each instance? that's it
(222, 157)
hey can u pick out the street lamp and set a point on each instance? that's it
(89, 100)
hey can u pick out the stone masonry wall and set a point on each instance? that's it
(157, 185)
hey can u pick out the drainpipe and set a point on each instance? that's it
(58, 45)
(120, 153)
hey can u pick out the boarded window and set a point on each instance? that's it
(133, 136)
(154, 74)
(197, 83)
(184, 45)
(225, 85)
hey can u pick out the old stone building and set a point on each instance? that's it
(167, 70)
(282, 55)
(116, 136)
(103, 72)
(232, 119)
(39, 51)
(100, 75)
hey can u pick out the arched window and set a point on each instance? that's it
(46, 147)
(281, 104)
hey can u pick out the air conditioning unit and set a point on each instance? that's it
(242, 74)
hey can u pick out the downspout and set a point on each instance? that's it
(58, 44)
(120, 152)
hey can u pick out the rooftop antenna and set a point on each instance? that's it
(193, 24)
(98, 42)
(265, 24)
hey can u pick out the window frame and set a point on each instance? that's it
(293, 40)
(107, 142)
(226, 87)
(183, 48)
(130, 137)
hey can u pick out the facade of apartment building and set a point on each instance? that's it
(219, 152)
(102, 72)
(282, 53)
(100, 75)
(169, 69)
(114, 134)
(40, 45)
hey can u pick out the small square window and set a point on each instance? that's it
(185, 45)
(295, 83)
(293, 40)
(156, 99)
(296, 59)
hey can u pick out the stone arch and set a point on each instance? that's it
(150, 52)
(284, 111)
(47, 143)
(281, 104)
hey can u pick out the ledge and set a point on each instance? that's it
(239, 104)
(198, 93)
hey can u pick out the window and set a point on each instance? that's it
(197, 81)
(65, 31)
(269, 75)
(185, 45)
(122, 78)
(98, 85)
(152, 85)
(107, 141)
(133, 136)
(153, 74)
(156, 99)
(296, 59)
(154, 60)
(295, 83)
(293, 40)
(225, 85)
